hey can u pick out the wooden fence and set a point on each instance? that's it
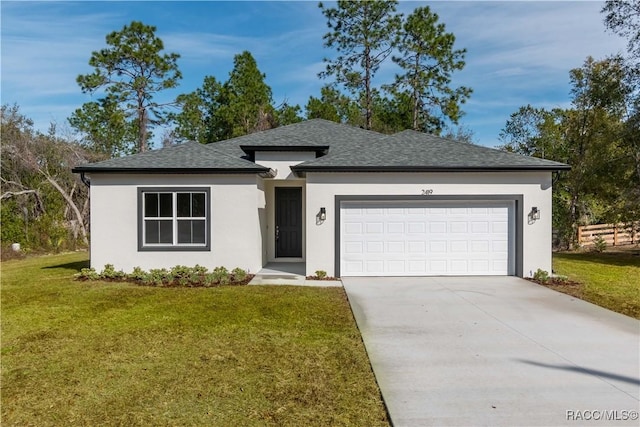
(613, 234)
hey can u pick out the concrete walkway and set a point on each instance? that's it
(496, 351)
(288, 274)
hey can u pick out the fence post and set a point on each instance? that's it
(615, 234)
(579, 235)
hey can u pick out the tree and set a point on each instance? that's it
(623, 18)
(587, 136)
(40, 195)
(364, 34)
(460, 133)
(200, 117)
(524, 132)
(105, 127)
(427, 59)
(248, 108)
(288, 114)
(333, 106)
(132, 70)
(239, 106)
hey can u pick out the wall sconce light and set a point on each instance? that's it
(534, 214)
(323, 214)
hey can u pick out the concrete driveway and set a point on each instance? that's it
(496, 351)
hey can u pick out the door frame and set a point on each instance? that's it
(518, 217)
(276, 190)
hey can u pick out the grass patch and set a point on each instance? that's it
(608, 279)
(97, 353)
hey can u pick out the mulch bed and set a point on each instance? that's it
(557, 282)
(324, 278)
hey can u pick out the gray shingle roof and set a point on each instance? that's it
(416, 151)
(188, 157)
(350, 149)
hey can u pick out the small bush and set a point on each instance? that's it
(321, 274)
(239, 275)
(209, 280)
(158, 277)
(541, 276)
(138, 275)
(599, 244)
(110, 273)
(180, 275)
(221, 275)
(88, 274)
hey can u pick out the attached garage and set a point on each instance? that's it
(434, 237)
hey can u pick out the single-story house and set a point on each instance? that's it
(348, 201)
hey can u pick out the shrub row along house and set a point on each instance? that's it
(348, 201)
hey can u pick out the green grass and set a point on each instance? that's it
(95, 353)
(609, 279)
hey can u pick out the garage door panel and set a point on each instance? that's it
(458, 227)
(353, 248)
(353, 228)
(395, 228)
(396, 247)
(438, 266)
(414, 238)
(417, 266)
(417, 248)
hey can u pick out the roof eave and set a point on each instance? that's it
(299, 170)
(260, 170)
(249, 149)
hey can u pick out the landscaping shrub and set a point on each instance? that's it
(110, 273)
(599, 244)
(239, 275)
(180, 275)
(88, 274)
(221, 275)
(541, 276)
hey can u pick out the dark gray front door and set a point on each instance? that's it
(288, 222)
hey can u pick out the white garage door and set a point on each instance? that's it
(427, 238)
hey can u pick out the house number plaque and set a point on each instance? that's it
(427, 192)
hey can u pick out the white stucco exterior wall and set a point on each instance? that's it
(535, 188)
(237, 222)
(281, 161)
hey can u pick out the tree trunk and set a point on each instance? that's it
(142, 124)
(416, 95)
(367, 89)
(72, 205)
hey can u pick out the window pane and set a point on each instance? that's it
(166, 232)
(184, 231)
(151, 231)
(184, 205)
(151, 204)
(166, 205)
(198, 208)
(199, 231)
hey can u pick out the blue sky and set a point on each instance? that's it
(518, 52)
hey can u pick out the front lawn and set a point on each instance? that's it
(609, 279)
(95, 353)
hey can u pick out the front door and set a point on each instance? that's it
(288, 222)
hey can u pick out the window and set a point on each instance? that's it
(173, 219)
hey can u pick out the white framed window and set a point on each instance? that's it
(174, 219)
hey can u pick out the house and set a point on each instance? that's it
(348, 201)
